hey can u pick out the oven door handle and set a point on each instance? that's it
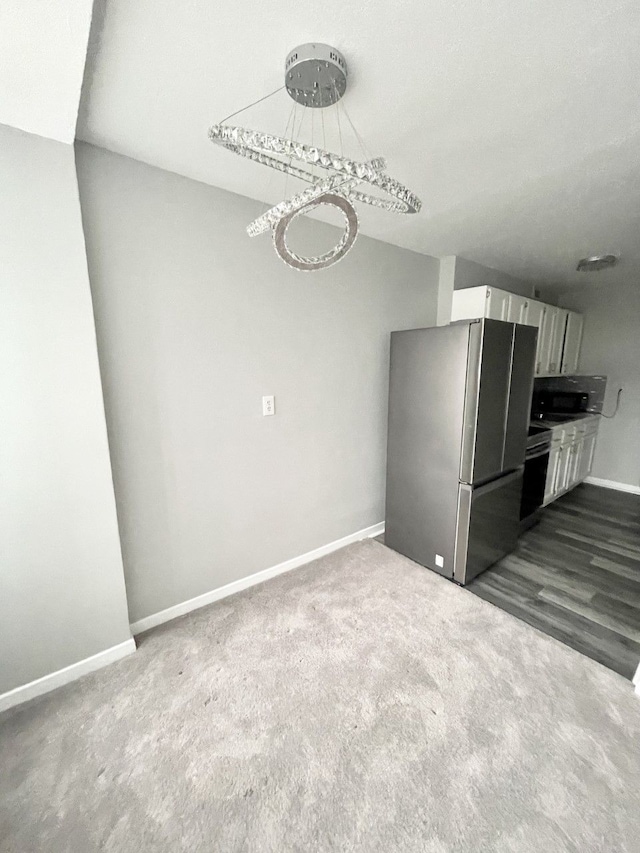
(537, 454)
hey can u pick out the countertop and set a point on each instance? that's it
(563, 420)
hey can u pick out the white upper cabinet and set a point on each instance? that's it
(497, 304)
(470, 303)
(547, 332)
(559, 330)
(545, 340)
(557, 340)
(535, 317)
(572, 341)
(518, 309)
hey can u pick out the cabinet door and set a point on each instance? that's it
(545, 338)
(576, 451)
(535, 316)
(469, 304)
(557, 340)
(586, 459)
(497, 304)
(572, 340)
(517, 309)
(562, 477)
(552, 473)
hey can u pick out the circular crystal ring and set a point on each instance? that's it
(300, 201)
(266, 148)
(234, 138)
(328, 258)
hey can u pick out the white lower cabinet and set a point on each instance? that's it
(552, 474)
(571, 456)
(573, 465)
(586, 456)
(564, 469)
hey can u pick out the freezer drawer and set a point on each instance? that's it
(488, 524)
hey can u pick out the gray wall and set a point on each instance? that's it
(62, 595)
(471, 274)
(196, 321)
(611, 346)
(458, 273)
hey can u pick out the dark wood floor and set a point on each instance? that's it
(576, 576)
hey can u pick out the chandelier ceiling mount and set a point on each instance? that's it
(315, 75)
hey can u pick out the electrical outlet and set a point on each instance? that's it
(268, 405)
(439, 561)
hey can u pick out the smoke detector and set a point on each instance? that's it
(596, 262)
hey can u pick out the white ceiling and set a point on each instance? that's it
(43, 46)
(517, 123)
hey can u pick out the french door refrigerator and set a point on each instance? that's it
(459, 411)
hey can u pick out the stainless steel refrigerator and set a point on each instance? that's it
(459, 410)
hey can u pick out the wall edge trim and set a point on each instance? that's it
(47, 683)
(613, 484)
(228, 589)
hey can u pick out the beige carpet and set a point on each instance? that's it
(361, 703)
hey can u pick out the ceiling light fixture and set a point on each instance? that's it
(597, 262)
(315, 78)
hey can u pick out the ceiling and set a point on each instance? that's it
(517, 123)
(43, 46)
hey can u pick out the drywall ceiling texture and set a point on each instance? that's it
(517, 123)
(62, 594)
(43, 45)
(195, 324)
(611, 346)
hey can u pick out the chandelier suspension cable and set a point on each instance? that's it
(314, 130)
(292, 112)
(337, 105)
(365, 150)
(248, 107)
(271, 173)
(313, 165)
(293, 130)
(295, 136)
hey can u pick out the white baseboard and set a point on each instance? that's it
(64, 676)
(251, 580)
(612, 484)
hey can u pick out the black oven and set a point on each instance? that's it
(536, 462)
(559, 403)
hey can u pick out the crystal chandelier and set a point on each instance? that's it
(316, 78)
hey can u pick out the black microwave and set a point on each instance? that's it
(560, 402)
